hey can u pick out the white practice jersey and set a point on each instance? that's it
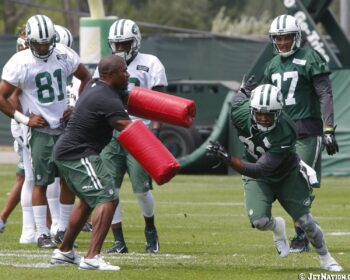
(43, 82)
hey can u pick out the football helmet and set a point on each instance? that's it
(284, 25)
(41, 36)
(124, 30)
(267, 102)
(63, 36)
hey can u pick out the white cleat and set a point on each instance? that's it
(330, 264)
(97, 263)
(58, 257)
(280, 237)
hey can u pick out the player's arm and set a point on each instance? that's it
(267, 164)
(14, 99)
(83, 74)
(323, 89)
(120, 124)
(6, 90)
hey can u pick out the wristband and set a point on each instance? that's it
(19, 117)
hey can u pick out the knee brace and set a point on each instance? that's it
(263, 223)
(313, 232)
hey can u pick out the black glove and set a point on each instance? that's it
(330, 142)
(248, 86)
(217, 150)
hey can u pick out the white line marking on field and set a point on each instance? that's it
(189, 203)
(338, 233)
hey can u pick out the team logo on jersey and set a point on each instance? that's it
(142, 68)
(38, 177)
(61, 56)
(307, 202)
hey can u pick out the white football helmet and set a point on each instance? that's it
(63, 36)
(40, 31)
(123, 30)
(283, 25)
(266, 99)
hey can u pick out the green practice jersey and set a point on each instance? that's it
(293, 75)
(280, 141)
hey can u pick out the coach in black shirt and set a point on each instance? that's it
(98, 111)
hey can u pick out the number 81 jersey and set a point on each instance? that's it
(293, 76)
(43, 82)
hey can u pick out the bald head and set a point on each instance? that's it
(109, 64)
(113, 71)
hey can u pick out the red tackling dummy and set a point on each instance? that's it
(158, 106)
(154, 157)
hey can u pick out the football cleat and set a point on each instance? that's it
(118, 247)
(2, 226)
(280, 237)
(330, 264)
(59, 238)
(152, 242)
(44, 241)
(58, 257)
(299, 244)
(87, 227)
(97, 263)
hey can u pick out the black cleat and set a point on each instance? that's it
(118, 247)
(152, 242)
(299, 244)
(44, 241)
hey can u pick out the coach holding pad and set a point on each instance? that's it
(98, 111)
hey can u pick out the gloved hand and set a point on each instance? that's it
(248, 86)
(217, 150)
(330, 142)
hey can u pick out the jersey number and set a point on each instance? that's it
(43, 83)
(277, 80)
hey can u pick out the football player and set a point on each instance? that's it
(41, 72)
(145, 71)
(302, 75)
(272, 169)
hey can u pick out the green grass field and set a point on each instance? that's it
(204, 234)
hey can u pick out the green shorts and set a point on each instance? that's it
(309, 150)
(293, 193)
(41, 149)
(119, 161)
(89, 179)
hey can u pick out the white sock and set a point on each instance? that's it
(65, 211)
(146, 203)
(40, 219)
(53, 194)
(28, 223)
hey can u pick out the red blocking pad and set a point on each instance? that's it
(158, 106)
(146, 148)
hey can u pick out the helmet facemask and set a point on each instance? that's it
(121, 32)
(266, 104)
(285, 25)
(41, 36)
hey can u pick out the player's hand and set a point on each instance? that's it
(248, 86)
(330, 142)
(217, 150)
(37, 121)
(67, 113)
